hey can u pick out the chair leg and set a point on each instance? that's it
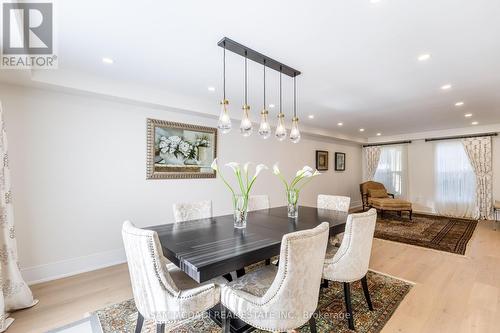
(240, 272)
(364, 283)
(160, 328)
(228, 277)
(312, 324)
(225, 319)
(324, 284)
(140, 322)
(411, 212)
(268, 262)
(347, 299)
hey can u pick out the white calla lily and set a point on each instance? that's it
(235, 166)
(276, 169)
(214, 165)
(259, 169)
(307, 168)
(245, 167)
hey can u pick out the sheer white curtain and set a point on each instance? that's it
(455, 181)
(392, 170)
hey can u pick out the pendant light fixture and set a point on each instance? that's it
(265, 128)
(224, 121)
(246, 124)
(295, 133)
(280, 129)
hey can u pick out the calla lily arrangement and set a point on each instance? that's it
(245, 182)
(302, 177)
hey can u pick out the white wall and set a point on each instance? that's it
(421, 163)
(78, 171)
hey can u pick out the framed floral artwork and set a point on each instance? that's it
(179, 151)
(321, 160)
(339, 161)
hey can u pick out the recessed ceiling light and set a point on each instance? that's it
(446, 87)
(340, 124)
(424, 57)
(361, 129)
(311, 116)
(474, 123)
(468, 115)
(211, 88)
(379, 134)
(271, 106)
(459, 103)
(107, 60)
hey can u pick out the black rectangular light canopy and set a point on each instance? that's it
(258, 57)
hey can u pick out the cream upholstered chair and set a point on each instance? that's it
(349, 262)
(192, 210)
(261, 297)
(162, 295)
(334, 202)
(256, 202)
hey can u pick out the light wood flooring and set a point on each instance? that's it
(452, 293)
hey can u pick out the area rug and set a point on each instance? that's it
(386, 294)
(434, 232)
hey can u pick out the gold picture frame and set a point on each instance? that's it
(179, 151)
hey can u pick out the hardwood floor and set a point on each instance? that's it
(452, 293)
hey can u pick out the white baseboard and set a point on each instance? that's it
(69, 267)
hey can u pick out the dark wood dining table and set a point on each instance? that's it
(212, 247)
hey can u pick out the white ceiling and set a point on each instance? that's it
(358, 59)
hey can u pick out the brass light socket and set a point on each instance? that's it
(224, 102)
(264, 112)
(281, 115)
(246, 107)
(295, 119)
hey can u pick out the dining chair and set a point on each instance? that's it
(186, 211)
(167, 297)
(256, 202)
(334, 202)
(349, 262)
(285, 297)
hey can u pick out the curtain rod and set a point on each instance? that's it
(386, 143)
(461, 137)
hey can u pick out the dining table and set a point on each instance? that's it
(213, 247)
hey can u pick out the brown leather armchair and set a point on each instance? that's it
(383, 200)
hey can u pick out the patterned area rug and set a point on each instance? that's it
(386, 294)
(434, 232)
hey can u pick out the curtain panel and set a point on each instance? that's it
(479, 151)
(371, 158)
(15, 293)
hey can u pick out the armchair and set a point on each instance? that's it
(374, 195)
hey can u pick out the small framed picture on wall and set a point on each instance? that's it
(321, 160)
(339, 161)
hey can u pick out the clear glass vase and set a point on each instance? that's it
(292, 197)
(240, 203)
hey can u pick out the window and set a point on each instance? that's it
(455, 180)
(391, 170)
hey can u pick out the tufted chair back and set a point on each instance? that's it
(350, 263)
(295, 289)
(334, 202)
(256, 202)
(148, 274)
(192, 210)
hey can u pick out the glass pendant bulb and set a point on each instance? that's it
(280, 129)
(246, 124)
(295, 133)
(265, 128)
(224, 120)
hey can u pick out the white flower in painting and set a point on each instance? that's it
(163, 144)
(214, 165)
(184, 147)
(175, 139)
(235, 166)
(276, 169)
